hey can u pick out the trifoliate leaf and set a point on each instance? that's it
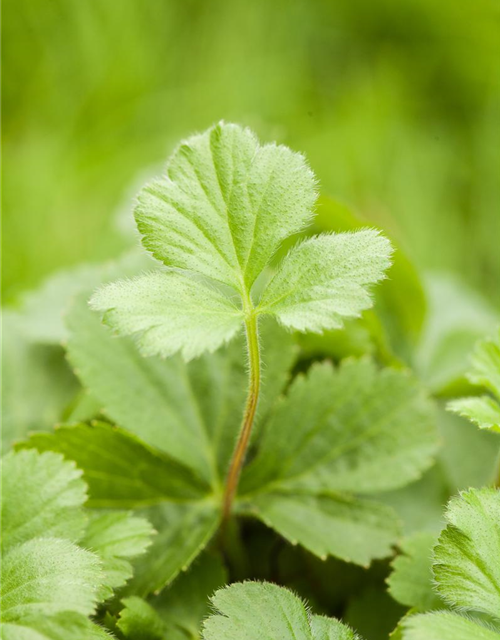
(183, 533)
(264, 611)
(116, 537)
(410, 582)
(120, 470)
(467, 558)
(445, 626)
(363, 530)
(46, 576)
(190, 411)
(353, 428)
(484, 410)
(169, 312)
(325, 278)
(225, 205)
(42, 496)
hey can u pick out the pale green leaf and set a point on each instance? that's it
(225, 205)
(326, 278)
(37, 384)
(46, 576)
(183, 533)
(445, 626)
(264, 611)
(120, 470)
(348, 528)
(467, 558)
(191, 411)
(457, 317)
(168, 312)
(42, 311)
(486, 365)
(66, 625)
(411, 580)
(42, 496)
(324, 628)
(116, 537)
(353, 428)
(482, 410)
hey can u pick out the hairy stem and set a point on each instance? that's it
(240, 450)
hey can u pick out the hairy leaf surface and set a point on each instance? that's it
(42, 496)
(326, 278)
(445, 626)
(264, 611)
(467, 558)
(169, 312)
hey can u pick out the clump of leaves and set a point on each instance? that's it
(339, 435)
(466, 570)
(58, 563)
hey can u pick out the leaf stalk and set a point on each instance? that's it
(238, 458)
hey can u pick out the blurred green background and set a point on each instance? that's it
(396, 105)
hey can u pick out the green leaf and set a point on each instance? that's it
(372, 611)
(191, 411)
(225, 205)
(120, 470)
(37, 384)
(45, 576)
(363, 530)
(139, 620)
(467, 558)
(410, 582)
(169, 312)
(184, 531)
(176, 613)
(42, 496)
(484, 411)
(115, 538)
(324, 628)
(264, 611)
(325, 278)
(348, 429)
(457, 317)
(445, 626)
(187, 602)
(66, 625)
(42, 310)
(486, 365)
